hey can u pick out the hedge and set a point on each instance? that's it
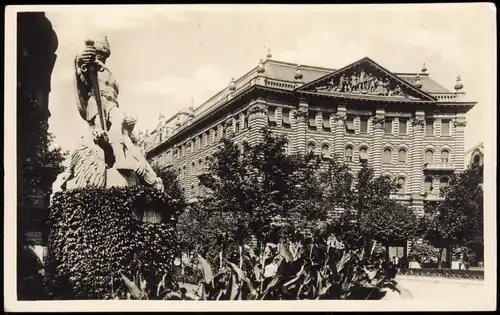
(95, 234)
(444, 273)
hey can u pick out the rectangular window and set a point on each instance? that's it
(429, 127)
(312, 121)
(237, 126)
(363, 127)
(326, 122)
(445, 127)
(349, 127)
(271, 116)
(285, 116)
(388, 127)
(403, 124)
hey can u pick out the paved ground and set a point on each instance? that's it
(422, 289)
(443, 289)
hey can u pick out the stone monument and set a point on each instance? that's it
(107, 155)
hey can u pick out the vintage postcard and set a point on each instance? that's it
(250, 157)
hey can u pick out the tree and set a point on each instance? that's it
(263, 184)
(171, 183)
(371, 192)
(389, 223)
(337, 184)
(458, 219)
(37, 168)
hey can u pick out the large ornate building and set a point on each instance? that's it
(405, 125)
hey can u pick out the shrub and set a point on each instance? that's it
(424, 253)
(96, 234)
(315, 269)
(445, 273)
(310, 270)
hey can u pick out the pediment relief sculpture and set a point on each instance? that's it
(363, 81)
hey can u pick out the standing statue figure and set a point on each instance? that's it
(108, 155)
(362, 80)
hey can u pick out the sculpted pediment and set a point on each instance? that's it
(366, 79)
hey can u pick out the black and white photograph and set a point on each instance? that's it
(270, 157)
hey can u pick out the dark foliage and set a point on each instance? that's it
(95, 234)
(444, 273)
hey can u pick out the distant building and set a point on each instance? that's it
(475, 156)
(405, 125)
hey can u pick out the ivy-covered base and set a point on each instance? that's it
(95, 235)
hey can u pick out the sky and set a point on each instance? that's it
(168, 57)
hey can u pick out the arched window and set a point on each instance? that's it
(193, 168)
(207, 163)
(193, 192)
(387, 157)
(429, 156)
(363, 154)
(443, 183)
(401, 185)
(325, 151)
(310, 148)
(184, 172)
(445, 156)
(476, 160)
(402, 156)
(348, 154)
(286, 147)
(428, 185)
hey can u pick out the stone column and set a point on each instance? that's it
(377, 138)
(299, 127)
(458, 153)
(257, 119)
(339, 136)
(416, 160)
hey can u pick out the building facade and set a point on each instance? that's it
(405, 125)
(475, 156)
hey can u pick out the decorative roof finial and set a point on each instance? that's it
(260, 68)
(418, 84)
(424, 68)
(232, 85)
(178, 121)
(269, 56)
(298, 73)
(459, 85)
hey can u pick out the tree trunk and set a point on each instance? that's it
(449, 256)
(387, 257)
(440, 258)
